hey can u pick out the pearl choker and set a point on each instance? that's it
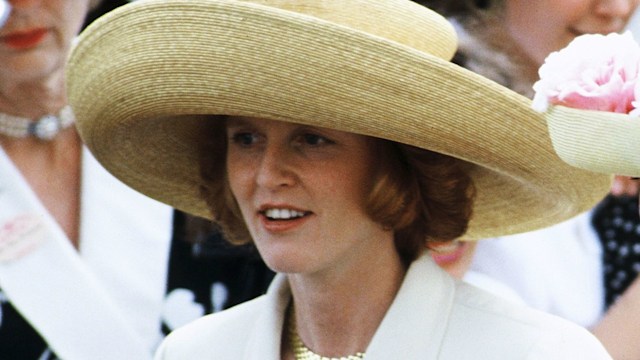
(45, 128)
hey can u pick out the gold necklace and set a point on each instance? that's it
(302, 352)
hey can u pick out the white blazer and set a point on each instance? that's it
(432, 317)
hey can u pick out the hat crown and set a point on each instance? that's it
(404, 22)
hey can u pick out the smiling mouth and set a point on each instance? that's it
(283, 214)
(611, 29)
(449, 253)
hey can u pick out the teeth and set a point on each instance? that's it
(283, 214)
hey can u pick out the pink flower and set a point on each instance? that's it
(636, 103)
(594, 72)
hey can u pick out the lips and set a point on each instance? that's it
(282, 218)
(611, 28)
(283, 214)
(449, 253)
(25, 39)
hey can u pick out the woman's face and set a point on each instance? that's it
(35, 40)
(301, 191)
(543, 26)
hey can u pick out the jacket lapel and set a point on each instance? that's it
(127, 248)
(50, 286)
(415, 324)
(265, 340)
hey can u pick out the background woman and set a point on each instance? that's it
(85, 262)
(579, 268)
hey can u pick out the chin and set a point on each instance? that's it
(284, 255)
(287, 261)
(284, 265)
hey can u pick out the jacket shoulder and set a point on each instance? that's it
(501, 329)
(219, 334)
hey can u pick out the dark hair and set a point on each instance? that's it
(421, 195)
(457, 8)
(101, 7)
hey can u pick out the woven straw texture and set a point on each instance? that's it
(609, 146)
(154, 67)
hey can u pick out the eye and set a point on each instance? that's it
(313, 139)
(244, 139)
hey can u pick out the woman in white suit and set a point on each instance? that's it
(340, 146)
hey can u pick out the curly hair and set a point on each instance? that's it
(420, 195)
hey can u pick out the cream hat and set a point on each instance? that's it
(140, 75)
(608, 145)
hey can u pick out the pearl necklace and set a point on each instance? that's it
(45, 128)
(302, 352)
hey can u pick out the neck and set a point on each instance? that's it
(52, 170)
(339, 316)
(33, 98)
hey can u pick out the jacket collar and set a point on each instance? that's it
(414, 325)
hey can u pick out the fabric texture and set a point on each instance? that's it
(431, 316)
(617, 222)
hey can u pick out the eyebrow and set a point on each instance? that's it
(237, 121)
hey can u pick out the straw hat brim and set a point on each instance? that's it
(142, 78)
(608, 146)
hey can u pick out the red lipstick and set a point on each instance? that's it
(24, 39)
(281, 225)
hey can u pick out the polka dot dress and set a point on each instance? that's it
(617, 223)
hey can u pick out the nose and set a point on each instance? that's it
(616, 8)
(274, 168)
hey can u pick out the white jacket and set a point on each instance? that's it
(432, 317)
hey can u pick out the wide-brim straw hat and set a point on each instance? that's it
(608, 146)
(140, 76)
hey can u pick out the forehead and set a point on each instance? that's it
(268, 124)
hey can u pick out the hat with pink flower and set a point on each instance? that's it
(379, 68)
(595, 73)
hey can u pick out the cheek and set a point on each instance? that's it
(355, 184)
(71, 15)
(237, 175)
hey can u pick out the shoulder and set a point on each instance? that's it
(219, 334)
(510, 330)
